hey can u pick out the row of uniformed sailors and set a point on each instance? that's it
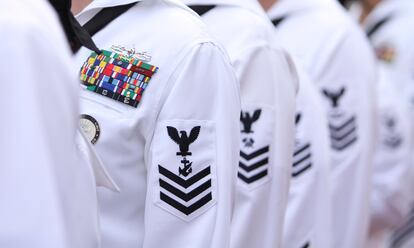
(255, 129)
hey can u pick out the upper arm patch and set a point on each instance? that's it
(342, 123)
(257, 133)
(302, 154)
(184, 156)
(390, 135)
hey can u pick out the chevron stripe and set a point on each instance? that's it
(339, 137)
(182, 195)
(252, 179)
(184, 182)
(393, 142)
(254, 166)
(245, 167)
(300, 150)
(306, 157)
(254, 154)
(184, 209)
(302, 170)
(302, 160)
(337, 128)
(341, 145)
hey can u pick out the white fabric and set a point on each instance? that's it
(267, 84)
(391, 172)
(337, 56)
(307, 220)
(195, 86)
(47, 194)
(396, 37)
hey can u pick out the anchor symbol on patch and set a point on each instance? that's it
(186, 169)
(184, 140)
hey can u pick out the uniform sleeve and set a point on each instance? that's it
(347, 84)
(39, 180)
(266, 145)
(193, 154)
(307, 219)
(392, 171)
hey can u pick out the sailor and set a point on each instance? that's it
(339, 60)
(388, 27)
(268, 84)
(166, 102)
(48, 187)
(307, 219)
(392, 169)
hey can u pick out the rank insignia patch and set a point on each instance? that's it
(256, 136)
(342, 125)
(302, 154)
(90, 127)
(119, 76)
(391, 138)
(185, 160)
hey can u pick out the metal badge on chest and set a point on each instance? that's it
(90, 127)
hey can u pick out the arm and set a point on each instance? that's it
(391, 197)
(352, 118)
(38, 157)
(190, 198)
(267, 84)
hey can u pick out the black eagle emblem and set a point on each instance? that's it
(248, 120)
(390, 122)
(298, 118)
(334, 96)
(183, 140)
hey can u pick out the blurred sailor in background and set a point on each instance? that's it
(268, 83)
(388, 27)
(338, 58)
(307, 219)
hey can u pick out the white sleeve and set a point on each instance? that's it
(307, 220)
(348, 88)
(194, 154)
(266, 144)
(392, 171)
(42, 187)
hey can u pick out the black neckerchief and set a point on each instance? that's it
(79, 36)
(106, 16)
(277, 21)
(375, 28)
(75, 34)
(202, 9)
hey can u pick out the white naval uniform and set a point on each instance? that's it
(391, 170)
(394, 38)
(267, 84)
(392, 41)
(47, 189)
(167, 199)
(339, 60)
(307, 220)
